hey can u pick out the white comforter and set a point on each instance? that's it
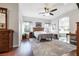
(36, 33)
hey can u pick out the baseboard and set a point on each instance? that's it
(15, 46)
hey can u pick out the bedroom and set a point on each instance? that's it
(44, 26)
(41, 29)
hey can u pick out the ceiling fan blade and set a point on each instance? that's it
(51, 14)
(53, 10)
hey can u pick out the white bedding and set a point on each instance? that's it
(36, 33)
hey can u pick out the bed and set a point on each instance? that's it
(43, 35)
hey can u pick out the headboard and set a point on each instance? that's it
(38, 29)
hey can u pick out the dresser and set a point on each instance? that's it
(6, 40)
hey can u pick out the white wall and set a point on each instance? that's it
(74, 17)
(13, 18)
(20, 24)
(25, 18)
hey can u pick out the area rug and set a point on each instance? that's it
(51, 48)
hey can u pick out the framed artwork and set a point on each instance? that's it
(38, 24)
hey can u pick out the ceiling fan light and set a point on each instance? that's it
(46, 9)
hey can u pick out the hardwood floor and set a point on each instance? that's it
(26, 50)
(72, 53)
(23, 50)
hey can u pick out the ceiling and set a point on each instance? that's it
(33, 9)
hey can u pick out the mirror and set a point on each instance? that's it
(3, 18)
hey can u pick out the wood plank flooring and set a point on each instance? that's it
(72, 53)
(23, 50)
(26, 50)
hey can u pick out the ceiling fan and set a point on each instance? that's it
(48, 11)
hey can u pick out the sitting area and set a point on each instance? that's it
(72, 38)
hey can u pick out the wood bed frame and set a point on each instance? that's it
(38, 29)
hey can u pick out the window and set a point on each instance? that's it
(64, 25)
(26, 27)
(47, 27)
(64, 28)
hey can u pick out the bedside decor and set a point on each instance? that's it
(2, 25)
(38, 24)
